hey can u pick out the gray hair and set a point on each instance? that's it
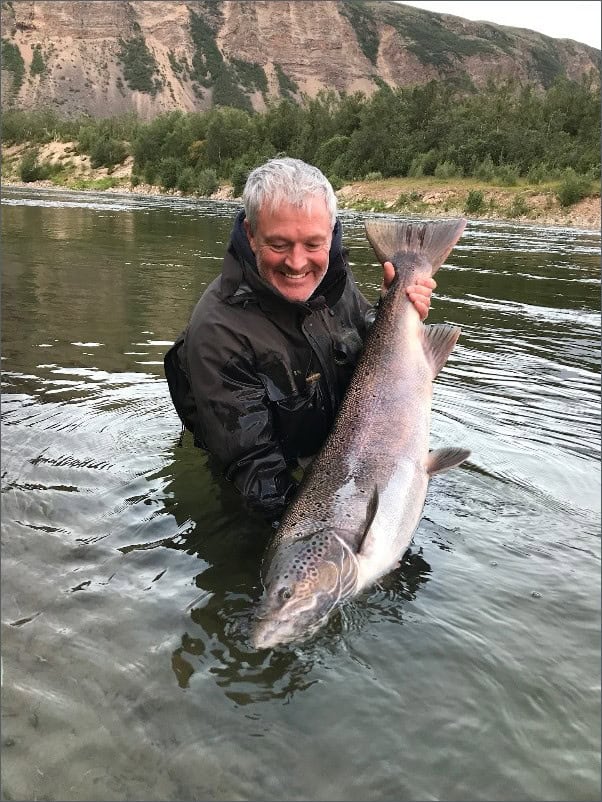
(289, 180)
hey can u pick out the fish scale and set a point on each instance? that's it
(359, 503)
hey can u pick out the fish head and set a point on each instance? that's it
(306, 579)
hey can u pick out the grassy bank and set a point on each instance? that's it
(424, 196)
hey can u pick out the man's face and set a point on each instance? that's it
(291, 246)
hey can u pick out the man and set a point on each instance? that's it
(262, 367)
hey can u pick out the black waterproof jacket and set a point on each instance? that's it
(259, 379)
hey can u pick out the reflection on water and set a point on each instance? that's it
(130, 573)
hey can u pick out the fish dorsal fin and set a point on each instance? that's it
(439, 341)
(442, 459)
(363, 547)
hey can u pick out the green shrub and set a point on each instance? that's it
(486, 169)
(186, 180)
(30, 169)
(169, 172)
(239, 177)
(475, 202)
(38, 66)
(448, 169)
(106, 152)
(340, 167)
(573, 188)
(207, 182)
(335, 182)
(506, 175)
(423, 164)
(518, 207)
(408, 199)
(416, 167)
(331, 152)
(101, 184)
(376, 175)
(538, 174)
(149, 173)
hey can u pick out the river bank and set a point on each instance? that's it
(424, 196)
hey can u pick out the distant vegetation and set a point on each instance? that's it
(12, 61)
(139, 65)
(286, 85)
(502, 135)
(362, 21)
(210, 70)
(432, 42)
(38, 65)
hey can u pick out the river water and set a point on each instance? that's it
(130, 574)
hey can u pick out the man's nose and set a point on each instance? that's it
(296, 257)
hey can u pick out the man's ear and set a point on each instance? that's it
(249, 233)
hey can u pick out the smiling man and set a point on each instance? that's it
(260, 371)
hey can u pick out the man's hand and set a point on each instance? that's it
(419, 293)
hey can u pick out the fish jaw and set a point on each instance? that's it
(306, 581)
(270, 632)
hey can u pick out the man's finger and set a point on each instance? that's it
(420, 289)
(421, 302)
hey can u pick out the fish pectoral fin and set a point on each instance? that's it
(442, 459)
(439, 341)
(364, 545)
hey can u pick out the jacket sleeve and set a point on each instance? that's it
(235, 423)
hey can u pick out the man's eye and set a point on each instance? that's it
(279, 247)
(313, 246)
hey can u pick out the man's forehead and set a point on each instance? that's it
(311, 212)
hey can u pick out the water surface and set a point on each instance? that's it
(130, 574)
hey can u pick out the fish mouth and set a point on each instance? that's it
(268, 638)
(265, 640)
(267, 634)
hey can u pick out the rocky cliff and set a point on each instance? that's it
(108, 58)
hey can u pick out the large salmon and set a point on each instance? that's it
(361, 499)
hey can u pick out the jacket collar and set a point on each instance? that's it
(241, 280)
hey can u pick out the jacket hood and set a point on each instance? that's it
(240, 276)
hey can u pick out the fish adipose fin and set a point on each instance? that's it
(439, 341)
(442, 459)
(432, 240)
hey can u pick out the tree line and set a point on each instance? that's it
(499, 134)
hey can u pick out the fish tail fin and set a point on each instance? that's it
(439, 341)
(432, 240)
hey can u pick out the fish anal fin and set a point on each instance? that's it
(442, 459)
(439, 341)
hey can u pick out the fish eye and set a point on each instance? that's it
(284, 594)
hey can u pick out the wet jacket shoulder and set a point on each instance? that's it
(267, 375)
